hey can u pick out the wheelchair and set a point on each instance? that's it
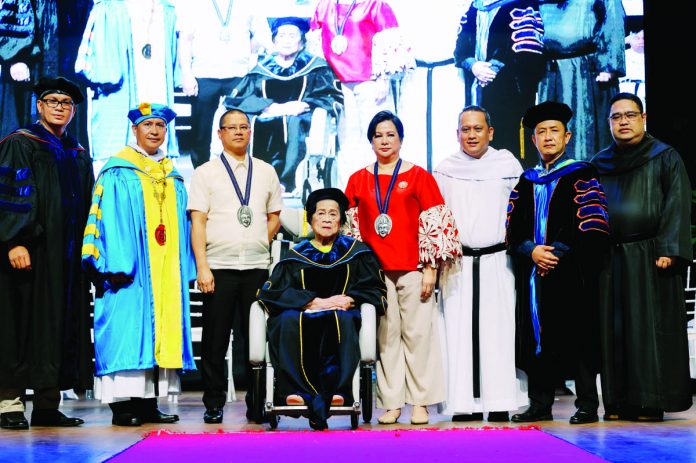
(319, 169)
(263, 393)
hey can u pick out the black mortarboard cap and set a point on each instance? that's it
(301, 23)
(547, 111)
(326, 193)
(47, 85)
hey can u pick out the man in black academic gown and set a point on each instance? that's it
(46, 182)
(643, 318)
(557, 233)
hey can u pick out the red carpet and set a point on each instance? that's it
(426, 446)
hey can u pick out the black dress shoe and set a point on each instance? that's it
(13, 420)
(498, 417)
(157, 416)
(532, 415)
(584, 417)
(53, 418)
(126, 419)
(213, 415)
(463, 417)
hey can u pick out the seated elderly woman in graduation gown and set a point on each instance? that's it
(281, 94)
(313, 298)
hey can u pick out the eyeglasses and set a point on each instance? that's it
(65, 104)
(629, 115)
(235, 128)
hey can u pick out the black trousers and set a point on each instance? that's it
(44, 399)
(542, 386)
(235, 291)
(202, 113)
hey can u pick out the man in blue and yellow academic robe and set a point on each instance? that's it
(137, 244)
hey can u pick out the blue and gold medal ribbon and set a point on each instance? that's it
(244, 200)
(384, 207)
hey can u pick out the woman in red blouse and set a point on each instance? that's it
(397, 209)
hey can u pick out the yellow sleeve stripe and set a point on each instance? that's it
(98, 190)
(94, 209)
(92, 229)
(90, 250)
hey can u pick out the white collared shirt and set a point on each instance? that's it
(229, 245)
(213, 57)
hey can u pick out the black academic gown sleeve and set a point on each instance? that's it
(520, 225)
(283, 290)
(324, 90)
(18, 198)
(673, 235)
(368, 286)
(247, 96)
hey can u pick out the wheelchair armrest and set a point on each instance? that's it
(257, 334)
(368, 333)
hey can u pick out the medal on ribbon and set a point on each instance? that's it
(160, 196)
(147, 51)
(383, 223)
(224, 29)
(245, 215)
(339, 44)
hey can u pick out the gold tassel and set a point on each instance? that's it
(521, 140)
(304, 223)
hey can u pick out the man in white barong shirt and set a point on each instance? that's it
(478, 294)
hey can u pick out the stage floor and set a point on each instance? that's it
(674, 440)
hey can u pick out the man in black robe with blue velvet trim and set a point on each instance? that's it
(557, 233)
(313, 298)
(46, 184)
(643, 317)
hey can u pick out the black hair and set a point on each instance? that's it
(231, 111)
(627, 96)
(478, 109)
(381, 117)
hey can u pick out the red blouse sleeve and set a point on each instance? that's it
(428, 192)
(438, 237)
(383, 16)
(351, 191)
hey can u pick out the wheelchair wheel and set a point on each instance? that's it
(354, 418)
(273, 420)
(366, 392)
